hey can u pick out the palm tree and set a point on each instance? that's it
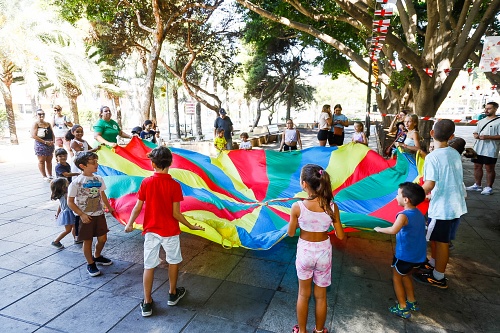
(46, 51)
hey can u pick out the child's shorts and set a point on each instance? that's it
(96, 228)
(314, 259)
(439, 230)
(152, 243)
(403, 267)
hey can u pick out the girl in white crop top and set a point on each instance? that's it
(314, 216)
(290, 137)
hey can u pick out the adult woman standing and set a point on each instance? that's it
(42, 132)
(339, 121)
(61, 126)
(324, 123)
(106, 129)
(412, 141)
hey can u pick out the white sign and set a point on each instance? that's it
(190, 108)
(490, 58)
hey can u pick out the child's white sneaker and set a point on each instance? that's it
(474, 187)
(487, 191)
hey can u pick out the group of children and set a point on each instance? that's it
(314, 216)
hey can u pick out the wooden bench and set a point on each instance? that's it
(273, 133)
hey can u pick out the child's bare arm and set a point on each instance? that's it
(337, 225)
(135, 212)
(83, 216)
(400, 222)
(180, 217)
(106, 202)
(70, 174)
(294, 217)
(428, 186)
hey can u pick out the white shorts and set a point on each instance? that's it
(152, 243)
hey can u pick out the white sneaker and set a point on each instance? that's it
(474, 187)
(487, 191)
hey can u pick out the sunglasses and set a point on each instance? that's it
(40, 114)
(57, 110)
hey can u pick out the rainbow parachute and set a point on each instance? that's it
(243, 198)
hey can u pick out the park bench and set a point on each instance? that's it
(273, 133)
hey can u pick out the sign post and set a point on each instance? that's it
(189, 110)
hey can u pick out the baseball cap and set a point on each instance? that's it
(222, 111)
(137, 130)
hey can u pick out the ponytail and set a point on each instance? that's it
(318, 181)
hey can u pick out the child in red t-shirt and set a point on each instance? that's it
(161, 226)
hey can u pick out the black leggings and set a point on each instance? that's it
(335, 140)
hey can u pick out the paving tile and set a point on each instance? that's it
(34, 234)
(17, 285)
(18, 326)
(204, 323)
(129, 283)
(258, 273)
(6, 246)
(164, 319)
(45, 303)
(199, 289)
(25, 256)
(239, 303)
(107, 310)
(11, 228)
(81, 277)
(212, 264)
(47, 269)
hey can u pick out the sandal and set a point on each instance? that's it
(295, 329)
(324, 330)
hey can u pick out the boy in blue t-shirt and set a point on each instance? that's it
(409, 229)
(443, 178)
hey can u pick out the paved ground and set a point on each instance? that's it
(46, 290)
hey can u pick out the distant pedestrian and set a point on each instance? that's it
(443, 178)
(487, 145)
(324, 124)
(64, 215)
(61, 124)
(411, 246)
(87, 199)
(42, 132)
(339, 122)
(314, 216)
(77, 144)
(162, 195)
(359, 135)
(245, 144)
(147, 132)
(290, 138)
(226, 124)
(220, 142)
(63, 168)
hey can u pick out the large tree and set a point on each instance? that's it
(438, 35)
(36, 48)
(147, 26)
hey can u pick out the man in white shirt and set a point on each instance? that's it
(487, 145)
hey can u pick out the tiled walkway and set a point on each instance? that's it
(46, 290)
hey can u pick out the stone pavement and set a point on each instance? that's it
(48, 290)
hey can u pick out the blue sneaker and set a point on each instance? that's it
(403, 313)
(412, 306)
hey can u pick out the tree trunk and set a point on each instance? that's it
(73, 106)
(11, 119)
(118, 108)
(175, 95)
(199, 131)
(153, 111)
(258, 114)
(390, 103)
(33, 104)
